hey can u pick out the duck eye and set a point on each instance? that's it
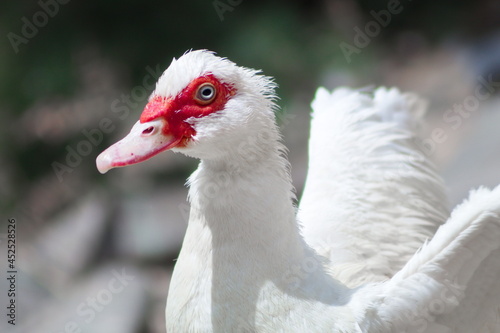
(205, 94)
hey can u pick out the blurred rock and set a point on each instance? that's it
(484, 56)
(152, 224)
(477, 158)
(66, 246)
(159, 278)
(30, 297)
(294, 124)
(110, 299)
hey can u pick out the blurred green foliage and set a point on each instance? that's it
(290, 40)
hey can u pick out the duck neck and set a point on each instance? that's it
(246, 202)
(243, 250)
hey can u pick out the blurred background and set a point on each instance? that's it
(94, 252)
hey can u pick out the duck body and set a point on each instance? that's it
(257, 274)
(248, 264)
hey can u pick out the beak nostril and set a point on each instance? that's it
(148, 131)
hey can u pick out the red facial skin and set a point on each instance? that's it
(172, 113)
(176, 110)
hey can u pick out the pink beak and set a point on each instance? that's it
(143, 142)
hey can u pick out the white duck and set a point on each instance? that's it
(244, 265)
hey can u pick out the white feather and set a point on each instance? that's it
(244, 266)
(453, 283)
(371, 197)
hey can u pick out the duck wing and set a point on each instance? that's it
(371, 197)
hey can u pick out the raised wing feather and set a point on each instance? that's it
(453, 283)
(371, 197)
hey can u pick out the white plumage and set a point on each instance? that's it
(371, 198)
(371, 201)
